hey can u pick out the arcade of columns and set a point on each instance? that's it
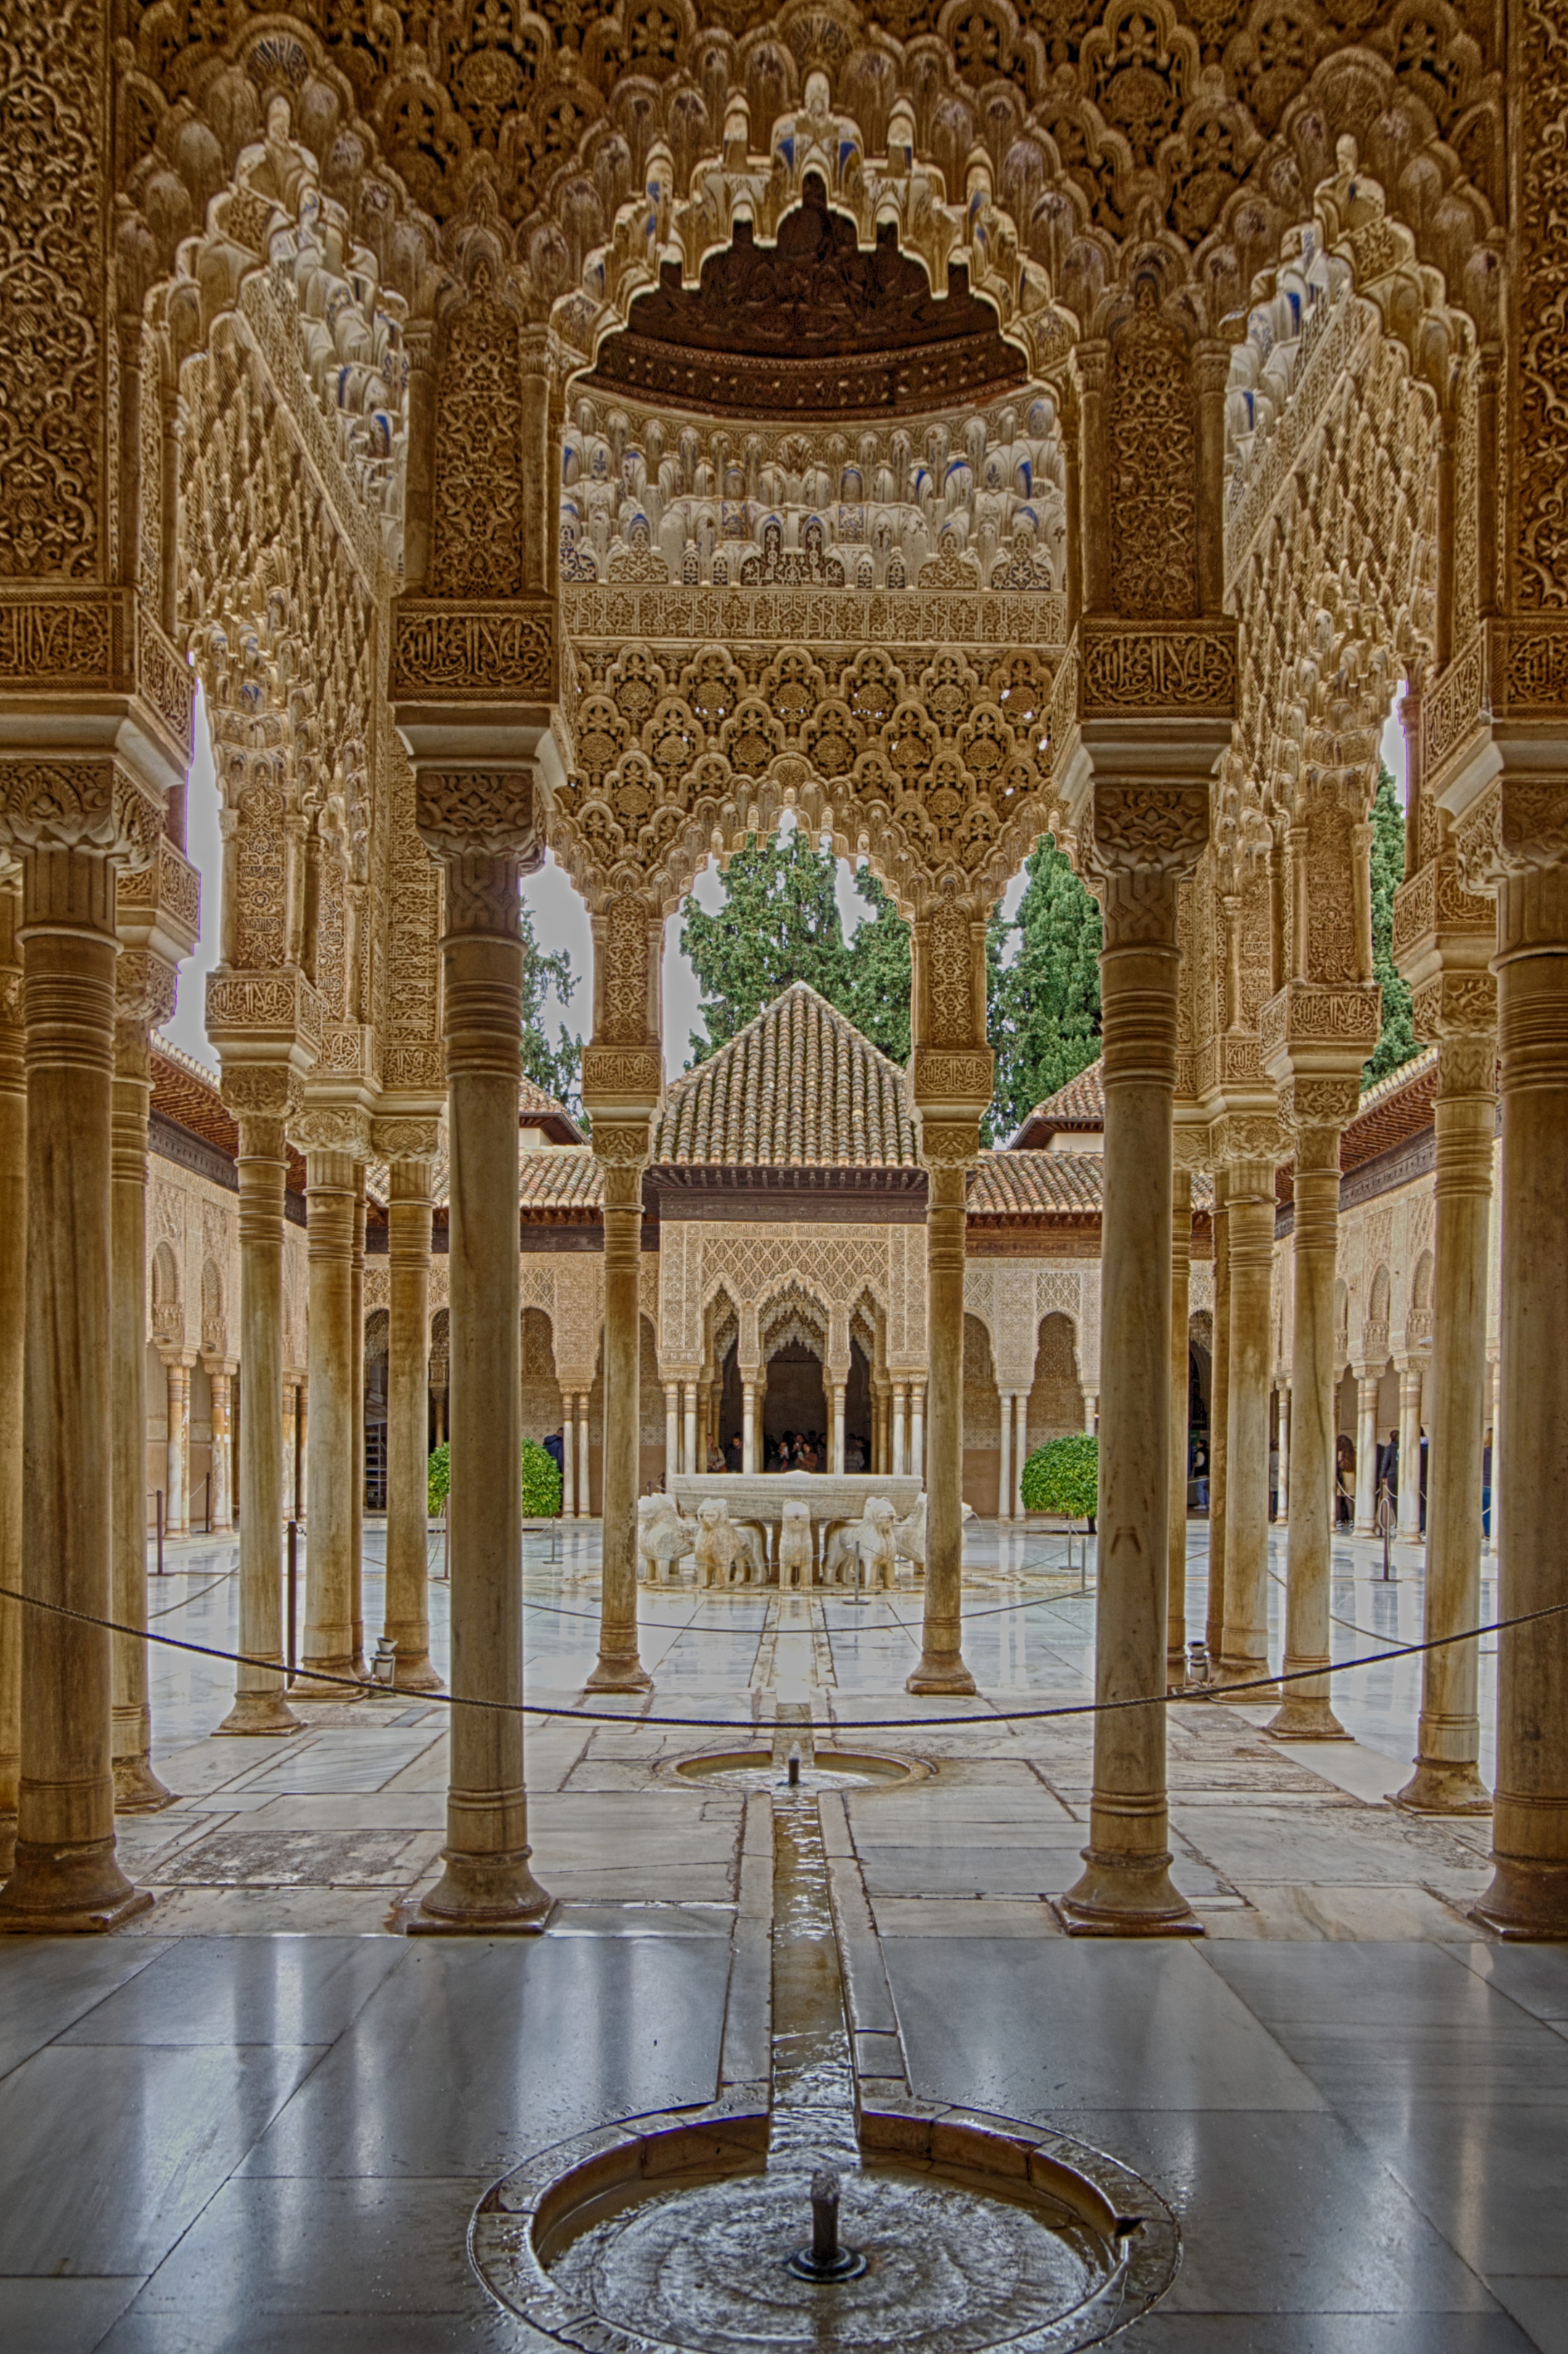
(299, 307)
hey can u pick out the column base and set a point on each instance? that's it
(1525, 1901)
(7, 1845)
(73, 1892)
(943, 1674)
(1440, 1787)
(311, 1684)
(137, 1789)
(482, 1896)
(1125, 1896)
(620, 1671)
(1300, 1719)
(260, 1713)
(417, 1675)
(1245, 1682)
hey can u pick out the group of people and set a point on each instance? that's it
(793, 1450)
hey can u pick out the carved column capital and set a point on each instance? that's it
(330, 1128)
(407, 1137)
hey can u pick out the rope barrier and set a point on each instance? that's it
(1206, 1694)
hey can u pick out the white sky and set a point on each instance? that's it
(560, 919)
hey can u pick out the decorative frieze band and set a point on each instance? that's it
(1344, 1017)
(1507, 671)
(449, 651)
(99, 641)
(279, 1004)
(937, 1076)
(1185, 669)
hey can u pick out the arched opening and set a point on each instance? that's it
(1056, 1399)
(377, 1334)
(982, 1421)
(168, 1318)
(540, 1396)
(1200, 1408)
(795, 1407)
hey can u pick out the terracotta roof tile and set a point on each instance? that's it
(1393, 1109)
(1024, 1184)
(799, 1087)
(184, 1091)
(1080, 1104)
(560, 1179)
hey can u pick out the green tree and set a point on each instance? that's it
(1063, 1477)
(779, 923)
(1398, 1041)
(1044, 1015)
(558, 1068)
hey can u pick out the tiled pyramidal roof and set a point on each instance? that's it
(1081, 1103)
(798, 1088)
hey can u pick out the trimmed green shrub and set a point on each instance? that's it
(1064, 1477)
(440, 1477)
(541, 1482)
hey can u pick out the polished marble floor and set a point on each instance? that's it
(261, 2120)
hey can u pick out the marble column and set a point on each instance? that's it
(900, 1401)
(1446, 1779)
(947, 1153)
(1410, 1387)
(260, 1098)
(12, 1336)
(671, 1430)
(1313, 1112)
(1243, 1647)
(356, 1395)
(1020, 1451)
(917, 1428)
(1125, 1888)
(220, 1382)
(407, 1621)
(748, 1425)
(1091, 1413)
(1523, 854)
(618, 1669)
(1219, 1417)
(327, 1648)
(177, 1447)
(689, 1462)
(66, 1876)
(570, 1459)
(1282, 1424)
(1180, 1277)
(1005, 1470)
(137, 1789)
(838, 1431)
(585, 1465)
(1367, 1496)
(486, 1885)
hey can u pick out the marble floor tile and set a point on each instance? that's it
(160, 2129)
(45, 1983)
(1167, 2332)
(1491, 2177)
(1535, 1977)
(1364, 1985)
(1084, 2024)
(1539, 2307)
(60, 2317)
(221, 1990)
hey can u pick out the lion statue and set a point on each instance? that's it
(862, 1552)
(795, 1547)
(909, 1535)
(718, 1544)
(664, 1537)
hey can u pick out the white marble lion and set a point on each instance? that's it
(909, 1535)
(664, 1536)
(862, 1552)
(718, 1543)
(795, 1547)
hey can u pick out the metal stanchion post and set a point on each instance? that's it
(294, 1597)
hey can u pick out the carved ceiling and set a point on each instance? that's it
(809, 325)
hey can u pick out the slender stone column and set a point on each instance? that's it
(1448, 1777)
(585, 1466)
(941, 1666)
(328, 1646)
(900, 1400)
(570, 1459)
(748, 1425)
(221, 1381)
(1004, 1470)
(66, 1876)
(176, 1452)
(619, 1667)
(672, 1429)
(917, 1428)
(689, 1454)
(1313, 1110)
(1219, 1417)
(1244, 1649)
(1494, 1392)
(1180, 1276)
(838, 1431)
(1125, 1888)
(260, 1098)
(1020, 1452)
(1091, 1413)
(357, 1393)
(12, 1336)
(408, 1377)
(487, 1885)
(1282, 1511)
(1523, 849)
(1366, 1503)
(1410, 1382)
(137, 1789)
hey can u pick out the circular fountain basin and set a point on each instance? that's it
(674, 2237)
(833, 1769)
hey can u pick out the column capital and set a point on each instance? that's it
(268, 1016)
(338, 1128)
(407, 1137)
(474, 813)
(87, 801)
